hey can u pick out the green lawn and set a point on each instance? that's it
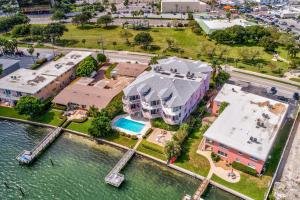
(189, 159)
(251, 186)
(83, 128)
(184, 38)
(295, 79)
(122, 140)
(50, 117)
(80, 127)
(152, 149)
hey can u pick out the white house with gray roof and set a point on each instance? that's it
(171, 90)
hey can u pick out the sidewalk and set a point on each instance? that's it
(282, 80)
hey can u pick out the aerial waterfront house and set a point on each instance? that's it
(183, 6)
(42, 83)
(247, 128)
(171, 90)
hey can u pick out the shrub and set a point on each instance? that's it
(134, 137)
(101, 58)
(181, 134)
(159, 123)
(59, 107)
(149, 131)
(35, 66)
(41, 61)
(244, 168)
(152, 148)
(215, 157)
(65, 124)
(21, 30)
(86, 67)
(223, 105)
(81, 120)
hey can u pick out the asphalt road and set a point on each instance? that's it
(282, 87)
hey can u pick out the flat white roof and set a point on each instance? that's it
(219, 24)
(239, 122)
(31, 81)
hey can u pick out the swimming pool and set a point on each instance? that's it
(129, 125)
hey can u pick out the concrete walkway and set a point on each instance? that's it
(219, 171)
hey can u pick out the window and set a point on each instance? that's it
(135, 97)
(223, 146)
(221, 153)
(175, 109)
(155, 111)
(175, 118)
(254, 159)
(251, 165)
(154, 103)
(19, 94)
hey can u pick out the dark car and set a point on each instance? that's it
(282, 98)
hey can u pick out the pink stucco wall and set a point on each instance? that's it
(235, 156)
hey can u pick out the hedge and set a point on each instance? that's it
(81, 120)
(152, 148)
(159, 123)
(244, 168)
(59, 107)
(149, 131)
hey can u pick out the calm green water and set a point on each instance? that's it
(79, 170)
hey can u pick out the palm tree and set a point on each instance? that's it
(172, 149)
(93, 111)
(214, 65)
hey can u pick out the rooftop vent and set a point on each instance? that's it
(266, 116)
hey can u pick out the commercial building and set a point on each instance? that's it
(9, 66)
(171, 90)
(183, 6)
(247, 128)
(42, 83)
(209, 26)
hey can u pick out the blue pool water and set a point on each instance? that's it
(129, 125)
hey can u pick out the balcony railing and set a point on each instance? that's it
(126, 100)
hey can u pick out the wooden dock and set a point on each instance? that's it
(114, 177)
(201, 189)
(26, 157)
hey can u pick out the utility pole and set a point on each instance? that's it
(101, 42)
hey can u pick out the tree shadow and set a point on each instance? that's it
(110, 27)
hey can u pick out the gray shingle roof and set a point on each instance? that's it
(161, 86)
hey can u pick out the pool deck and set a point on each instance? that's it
(142, 121)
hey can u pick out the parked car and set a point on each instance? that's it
(282, 98)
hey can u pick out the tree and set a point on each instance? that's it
(105, 19)
(30, 50)
(86, 67)
(172, 149)
(143, 38)
(113, 8)
(82, 18)
(214, 65)
(29, 105)
(228, 15)
(126, 2)
(292, 50)
(93, 111)
(114, 43)
(221, 78)
(54, 31)
(1, 69)
(58, 15)
(101, 58)
(101, 126)
(21, 30)
(83, 41)
(268, 43)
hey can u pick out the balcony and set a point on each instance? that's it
(147, 105)
(126, 100)
(131, 110)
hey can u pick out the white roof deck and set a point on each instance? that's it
(31, 81)
(238, 122)
(220, 24)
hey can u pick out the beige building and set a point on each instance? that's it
(42, 83)
(183, 6)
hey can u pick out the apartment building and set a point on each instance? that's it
(171, 90)
(246, 130)
(44, 82)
